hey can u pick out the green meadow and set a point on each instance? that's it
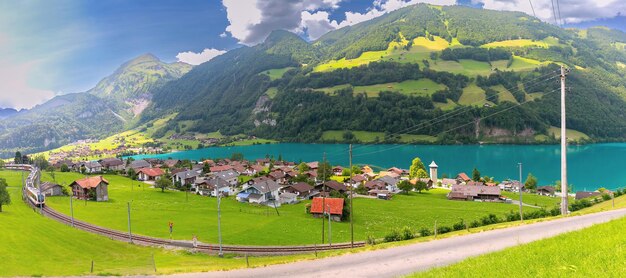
(371, 136)
(248, 224)
(421, 87)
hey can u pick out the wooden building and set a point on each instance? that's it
(91, 188)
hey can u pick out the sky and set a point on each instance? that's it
(54, 47)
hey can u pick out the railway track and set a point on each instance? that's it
(151, 241)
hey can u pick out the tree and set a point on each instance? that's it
(531, 182)
(65, 168)
(345, 172)
(475, 175)
(405, 186)
(421, 174)
(5, 198)
(18, 158)
(280, 157)
(416, 165)
(163, 183)
(206, 168)
(356, 170)
(237, 157)
(303, 167)
(420, 185)
(324, 171)
(131, 174)
(41, 162)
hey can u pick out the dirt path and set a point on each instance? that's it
(412, 258)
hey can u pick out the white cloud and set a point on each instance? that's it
(572, 11)
(15, 90)
(193, 58)
(223, 35)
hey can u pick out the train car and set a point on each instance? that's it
(35, 196)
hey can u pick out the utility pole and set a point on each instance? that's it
(563, 146)
(521, 214)
(330, 231)
(351, 196)
(323, 192)
(219, 220)
(72, 208)
(130, 233)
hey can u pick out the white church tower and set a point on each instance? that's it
(433, 172)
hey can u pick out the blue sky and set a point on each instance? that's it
(60, 46)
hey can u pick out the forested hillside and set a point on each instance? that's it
(456, 73)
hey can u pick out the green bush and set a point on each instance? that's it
(475, 224)
(425, 232)
(371, 240)
(580, 204)
(443, 230)
(490, 219)
(606, 197)
(459, 225)
(394, 235)
(407, 233)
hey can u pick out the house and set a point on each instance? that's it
(396, 170)
(476, 183)
(60, 163)
(112, 164)
(332, 186)
(170, 163)
(230, 176)
(338, 171)
(185, 177)
(391, 183)
(91, 188)
(325, 206)
(474, 192)
(260, 193)
(220, 168)
(313, 165)
(302, 190)
(51, 189)
(263, 162)
(510, 185)
(380, 194)
(375, 185)
(213, 186)
(448, 182)
(546, 190)
(288, 198)
(150, 174)
(429, 183)
(462, 177)
(138, 164)
(586, 194)
(367, 169)
(90, 167)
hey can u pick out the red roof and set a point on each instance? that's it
(90, 182)
(221, 168)
(151, 172)
(463, 176)
(335, 205)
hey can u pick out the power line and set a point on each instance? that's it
(554, 13)
(457, 112)
(533, 8)
(558, 7)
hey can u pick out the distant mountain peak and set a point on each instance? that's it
(277, 36)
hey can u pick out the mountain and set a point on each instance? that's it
(109, 107)
(7, 112)
(453, 73)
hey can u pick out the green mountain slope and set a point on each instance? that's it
(403, 73)
(108, 108)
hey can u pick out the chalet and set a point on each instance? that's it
(213, 186)
(367, 169)
(462, 178)
(220, 168)
(94, 188)
(150, 174)
(474, 192)
(302, 190)
(171, 163)
(60, 163)
(288, 198)
(230, 176)
(332, 186)
(476, 183)
(260, 193)
(90, 167)
(546, 191)
(358, 180)
(138, 164)
(398, 171)
(391, 183)
(313, 165)
(429, 183)
(388, 174)
(185, 177)
(586, 194)
(338, 171)
(327, 206)
(51, 189)
(510, 185)
(278, 176)
(376, 185)
(112, 164)
(263, 162)
(448, 182)
(255, 169)
(380, 194)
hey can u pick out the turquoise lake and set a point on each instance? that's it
(590, 166)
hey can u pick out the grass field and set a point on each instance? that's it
(276, 73)
(597, 251)
(34, 246)
(473, 95)
(446, 106)
(370, 136)
(271, 92)
(504, 94)
(255, 225)
(571, 134)
(421, 87)
(534, 199)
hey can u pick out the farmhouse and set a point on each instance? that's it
(170, 163)
(380, 194)
(112, 164)
(462, 177)
(260, 193)
(91, 188)
(185, 177)
(229, 176)
(321, 206)
(586, 194)
(329, 186)
(302, 190)
(51, 189)
(213, 186)
(150, 174)
(138, 164)
(546, 191)
(474, 192)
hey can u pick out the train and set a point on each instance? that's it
(31, 190)
(35, 196)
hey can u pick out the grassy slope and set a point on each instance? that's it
(370, 136)
(534, 199)
(571, 134)
(247, 224)
(473, 95)
(504, 94)
(35, 246)
(597, 251)
(421, 87)
(276, 73)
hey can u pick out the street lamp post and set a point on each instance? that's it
(219, 220)
(521, 214)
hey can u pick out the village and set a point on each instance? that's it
(273, 183)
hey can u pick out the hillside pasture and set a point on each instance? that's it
(473, 95)
(248, 224)
(276, 73)
(421, 87)
(504, 94)
(372, 137)
(573, 135)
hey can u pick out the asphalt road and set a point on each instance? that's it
(417, 257)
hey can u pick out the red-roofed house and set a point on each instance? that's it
(91, 188)
(319, 206)
(462, 177)
(150, 174)
(215, 169)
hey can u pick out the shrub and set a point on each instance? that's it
(425, 232)
(459, 225)
(606, 197)
(371, 240)
(490, 219)
(475, 224)
(536, 214)
(394, 235)
(579, 204)
(443, 230)
(407, 233)
(555, 211)
(512, 216)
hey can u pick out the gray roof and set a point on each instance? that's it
(187, 174)
(266, 186)
(218, 182)
(47, 185)
(139, 164)
(475, 190)
(92, 164)
(228, 174)
(389, 180)
(108, 162)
